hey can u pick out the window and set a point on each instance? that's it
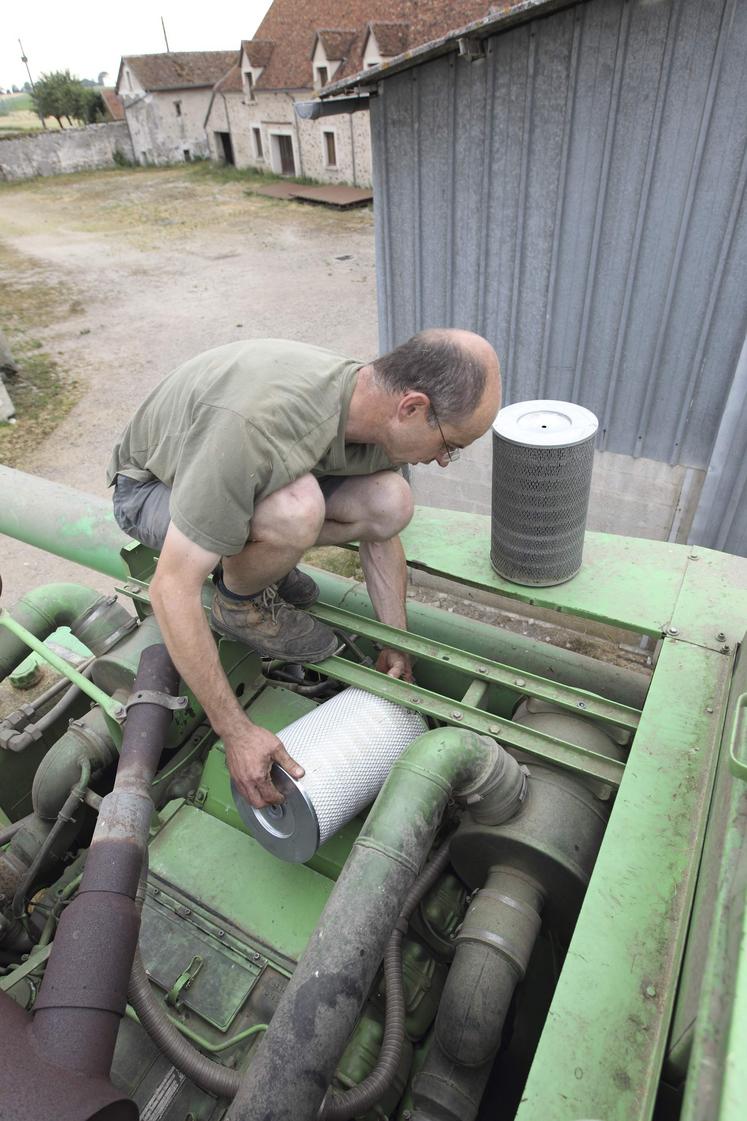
(187, 155)
(178, 108)
(330, 154)
(322, 75)
(257, 143)
(249, 79)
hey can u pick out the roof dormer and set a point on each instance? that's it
(384, 41)
(255, 55)
(331, 48)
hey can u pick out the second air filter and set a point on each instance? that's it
(543, 453)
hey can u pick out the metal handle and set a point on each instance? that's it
(738, 740)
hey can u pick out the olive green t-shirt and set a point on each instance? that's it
(237, 423)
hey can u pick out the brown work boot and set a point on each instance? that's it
(272, 628)
(298, 589)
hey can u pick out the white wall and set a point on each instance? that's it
(159, 134)
(274, 113)
(66, 150)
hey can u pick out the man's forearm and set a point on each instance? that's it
(385, 569)
(181, 617)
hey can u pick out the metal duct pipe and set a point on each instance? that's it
(42, 611)
(62, 521)
(297, 1057)
(84, 991)
(494, 946)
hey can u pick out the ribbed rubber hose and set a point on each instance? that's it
(359, 1099)
(208, 1075)
(216, 1079)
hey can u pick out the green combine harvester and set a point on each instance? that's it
(541, 916)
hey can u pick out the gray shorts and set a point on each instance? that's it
(142, 509)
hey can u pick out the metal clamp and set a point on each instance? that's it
(152, 697)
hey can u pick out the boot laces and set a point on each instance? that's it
(269, 601)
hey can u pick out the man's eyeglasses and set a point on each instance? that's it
(451, 450)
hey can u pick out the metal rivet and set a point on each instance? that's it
(709, 708)
(520, 682)
(650, 990)
(720, 636)
(693, 556)
(672, 630)
(482, 669)
(415, 700)
(456, 715)
(221, 934)
(580, 704)
(156, 891)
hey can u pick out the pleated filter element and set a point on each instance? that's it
(543, 454)
(347, 747)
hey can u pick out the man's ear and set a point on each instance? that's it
(413, 402)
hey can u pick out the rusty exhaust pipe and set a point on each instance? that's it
(56, 1063)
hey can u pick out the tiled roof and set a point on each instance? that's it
(391, 38)
(180, 69)
(114, 104)
(292, 29)
(258, 51)
(230, 82)
(337, 44)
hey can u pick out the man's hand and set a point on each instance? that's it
(395, 664)
(250, 755)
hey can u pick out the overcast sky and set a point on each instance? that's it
(87, 36)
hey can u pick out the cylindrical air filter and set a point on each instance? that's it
(347, 747)
(543, 453)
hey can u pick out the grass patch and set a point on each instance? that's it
(42, 394)
(343, 562)
(42, 391)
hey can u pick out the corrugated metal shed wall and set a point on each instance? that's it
(577, 196)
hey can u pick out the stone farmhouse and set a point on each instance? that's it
(297, 50)
(166, 98)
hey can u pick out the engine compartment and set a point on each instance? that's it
(572, 807)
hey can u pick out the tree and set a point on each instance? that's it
(61, 95)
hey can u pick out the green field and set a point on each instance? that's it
(17, 114)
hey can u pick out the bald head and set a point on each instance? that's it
(458, 370)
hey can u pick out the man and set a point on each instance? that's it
(252, 453)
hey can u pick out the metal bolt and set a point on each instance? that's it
(581, 704)
(672, 630)
(456, 715)
(495, 728)
(156, 891)
(725, 649)
(709, 708)
(650, 990)
(520, 682)
(255, 956)
(415, 700)
(693, 556)
(221, 934)
(720, 636)
(482, 669)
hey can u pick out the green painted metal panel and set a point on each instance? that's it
(624, 581)
(275, 903)
(601, 1051)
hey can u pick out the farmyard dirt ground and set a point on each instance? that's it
(154, 267)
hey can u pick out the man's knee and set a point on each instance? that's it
(292, 515)
(390, 506)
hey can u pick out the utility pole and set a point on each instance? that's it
(25, 62)
(163, 25)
